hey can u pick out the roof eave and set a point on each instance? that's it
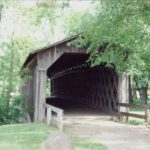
(32, 54)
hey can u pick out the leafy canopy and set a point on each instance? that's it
(122, 28)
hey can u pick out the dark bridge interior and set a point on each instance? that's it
(76, 87)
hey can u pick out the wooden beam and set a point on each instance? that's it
(144, 116)
(133, 115)
(123, 94)
(133, 106)
(41, 94)
(35, 94)
(32, 63)
(58, 120)
(123, 90)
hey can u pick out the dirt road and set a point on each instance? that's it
(116, 136)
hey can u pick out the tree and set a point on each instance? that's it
(15, 44)
(117, 33)
(71, 22)
(1, 7)
(22, 30)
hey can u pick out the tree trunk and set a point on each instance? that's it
(134, 94)
(10, 81)
(1, 7)
(143, 94)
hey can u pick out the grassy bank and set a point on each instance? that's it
(30, 137)
(23, 136)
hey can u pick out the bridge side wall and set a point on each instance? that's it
(44, 60)
(95, 87)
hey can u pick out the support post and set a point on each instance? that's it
(146, 113)
(49, 115)
(41, 94)
(35, 94)
(123, 93)
(60, 120)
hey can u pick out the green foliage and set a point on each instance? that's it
(72, 21)
(122, 28)
(41, 11)
(21, 31)
(3, 118)
(48, 87)
(138, 101)
(141, 80)
(149, 122)
(17, 109)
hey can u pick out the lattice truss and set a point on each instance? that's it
(96, 87)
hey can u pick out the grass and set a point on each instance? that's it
(135, 122)
(137, 110)
(87, 144)
(23, 136)
(140, 102)
(30, 137)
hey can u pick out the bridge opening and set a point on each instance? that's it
(79, 89)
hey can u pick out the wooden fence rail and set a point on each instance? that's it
(56, 120)
(140, 116)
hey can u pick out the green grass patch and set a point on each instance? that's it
(138, 101)
(148, 122)
(23, 136)
(87, 144)
(136, 110)
(135, 122)
(30, 137)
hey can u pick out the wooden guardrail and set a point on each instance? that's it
(56, 120)
(128, 114)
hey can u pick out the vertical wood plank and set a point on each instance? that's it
(123, 88)
(35, 94)
(60, 120)
(146, 113)
(49, 115)
(41, 94)
(123, 93)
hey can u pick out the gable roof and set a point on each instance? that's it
(34, 53)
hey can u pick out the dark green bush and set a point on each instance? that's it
(17, 109)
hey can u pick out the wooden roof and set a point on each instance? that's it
(34, 53)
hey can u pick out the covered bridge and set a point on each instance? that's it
(72, 80)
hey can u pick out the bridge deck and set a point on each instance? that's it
(75, 109)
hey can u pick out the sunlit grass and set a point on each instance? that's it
(30, 137)
(23, 136)
(135, 122)
(87, 144)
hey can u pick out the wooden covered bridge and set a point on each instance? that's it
(72, 80)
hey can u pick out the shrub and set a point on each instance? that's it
(17, 109)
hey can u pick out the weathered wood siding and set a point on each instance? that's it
(48, 57)
(44, 60)
(28, 93)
